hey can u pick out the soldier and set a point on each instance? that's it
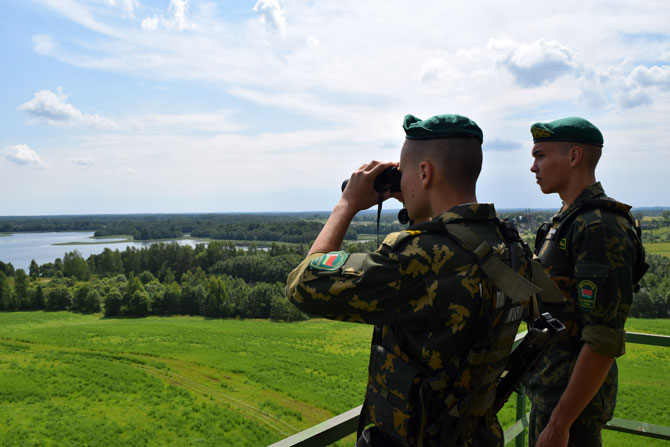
(437, 315)
(592, 251)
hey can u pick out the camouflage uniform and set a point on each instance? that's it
(425, 291)
(591, 259)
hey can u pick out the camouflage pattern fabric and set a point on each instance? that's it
(425, 290)
(591, 260)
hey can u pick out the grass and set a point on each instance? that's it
(172, 381)
(69, 379)
(658, 248)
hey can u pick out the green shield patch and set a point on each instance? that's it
(587, 294)
(330, 261)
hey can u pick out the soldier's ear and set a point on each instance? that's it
(576, 154)
(425, 173)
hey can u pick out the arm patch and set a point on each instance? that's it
(329, 262)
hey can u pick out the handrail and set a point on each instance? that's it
(344, 424)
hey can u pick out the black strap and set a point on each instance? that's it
(380, 200)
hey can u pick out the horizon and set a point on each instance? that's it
(195, 106)
(244, 213)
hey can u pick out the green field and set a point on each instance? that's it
(658, 248)
(70, 379)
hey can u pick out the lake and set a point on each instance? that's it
(21, 248)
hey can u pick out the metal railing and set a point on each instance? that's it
(344, 424)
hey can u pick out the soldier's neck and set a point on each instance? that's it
(447, 201)
(574, 188)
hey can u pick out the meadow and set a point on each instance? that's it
(71, 379)
(658, 248)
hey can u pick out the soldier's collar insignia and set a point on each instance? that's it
(330, 261)
(587, 294)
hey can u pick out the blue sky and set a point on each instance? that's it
(133, 106)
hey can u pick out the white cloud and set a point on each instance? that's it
(22, 154)
(220, 122)
(651, 76)
(84, 161)
(43, 44)
(128, 7)
(313, 42)
(55, 110)
(271, 15)
(535, 63)
(626, 87)
(128, 170)
(150, 23)
(178, 20)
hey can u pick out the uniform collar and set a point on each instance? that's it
(478, 211)
(594, 191)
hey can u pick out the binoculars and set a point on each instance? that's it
(388, 180)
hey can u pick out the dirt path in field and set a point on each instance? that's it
(209, 387)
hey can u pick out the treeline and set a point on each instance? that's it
(218, 281)
(299, 228)
(653, 298)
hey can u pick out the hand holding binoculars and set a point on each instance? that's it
(388, 180)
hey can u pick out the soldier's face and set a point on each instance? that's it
(551, 166)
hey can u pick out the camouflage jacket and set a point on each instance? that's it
(422, 287)
(591, 259)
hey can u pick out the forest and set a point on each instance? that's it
(218, 279)
(298, 228)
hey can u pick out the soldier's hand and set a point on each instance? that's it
(552, 437)
(360, 193)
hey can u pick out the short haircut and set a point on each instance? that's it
(592, 152)
(459, 160)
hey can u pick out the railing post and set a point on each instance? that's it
(520, 440)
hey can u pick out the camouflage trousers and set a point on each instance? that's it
(584, 432)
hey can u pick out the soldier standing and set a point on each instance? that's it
(592, 251)
(443, 330)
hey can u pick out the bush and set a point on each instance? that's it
(113, 303)
(59, 298)
(92, 304)
(139, 304)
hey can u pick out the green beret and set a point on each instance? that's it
(441, 126)
(567, 129)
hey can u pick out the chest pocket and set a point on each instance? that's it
(591, 270)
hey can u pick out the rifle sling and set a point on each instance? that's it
(550, 291)
(507, 280)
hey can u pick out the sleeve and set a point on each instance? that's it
(354, 287)
(603, 274)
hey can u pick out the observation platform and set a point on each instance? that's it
(343, 425)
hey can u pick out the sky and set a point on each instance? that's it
(190, 106)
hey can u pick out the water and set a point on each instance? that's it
(21, 248)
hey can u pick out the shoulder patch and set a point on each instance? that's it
(587, 294)
(330, 261)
